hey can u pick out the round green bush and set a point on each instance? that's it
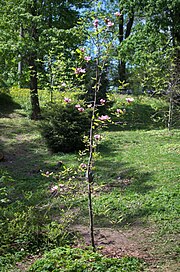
(64, 127)
(66, 259)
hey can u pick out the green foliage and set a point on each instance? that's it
(142, 113)
(79, 260)
(64, 127)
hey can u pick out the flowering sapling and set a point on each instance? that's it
(96, 121)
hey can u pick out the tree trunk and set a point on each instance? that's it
(121, 64)
(122, 71)
(36, 113)
(122, 36)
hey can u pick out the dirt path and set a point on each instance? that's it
(119, 243)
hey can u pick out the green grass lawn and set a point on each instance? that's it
(141, 170)
(137, 177)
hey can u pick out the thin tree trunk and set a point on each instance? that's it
(170, 113)
(121, 64)
(36, 113)
(20, 59)
(122, 36)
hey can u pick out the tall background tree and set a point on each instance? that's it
(30, 30)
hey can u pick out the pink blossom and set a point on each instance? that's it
(67, 100)
(117, 14)
(129, 99)
(80, 71)
(83, 165)
(96, 21)
(81, 109)
(104, 117)
(77, 106)
(102, 101)
(61, 185)
(82, 49)
(87, 58)
(47, 174)
(118, 110)
(97, 137)
(110, 24)
(54, 189)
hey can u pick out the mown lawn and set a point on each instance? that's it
(136, 184)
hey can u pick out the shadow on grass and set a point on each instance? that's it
(123, 193)
(7, 105)
(140, 116)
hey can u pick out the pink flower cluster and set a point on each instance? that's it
(97, 137)
(96, 22)
(104, 118)
(102, 101)
(129, 99)
(79, 108)
(87, 58)
(80, 71)
(67, 100)
(119, 111)
(108, 22)
(56, 187)
(118, 14)
(83, 165)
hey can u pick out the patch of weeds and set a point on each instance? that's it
(8, 262)
(79, 260)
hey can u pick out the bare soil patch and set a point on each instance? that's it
(135, 242)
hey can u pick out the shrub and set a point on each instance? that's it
(64, 127)
(78, 260)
